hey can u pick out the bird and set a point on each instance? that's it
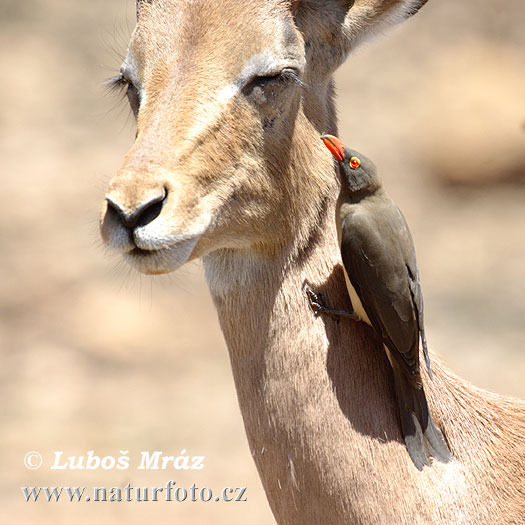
(383, 282)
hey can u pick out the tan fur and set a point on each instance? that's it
(258, 204)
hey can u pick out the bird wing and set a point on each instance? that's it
(417, 299)
(378, 256)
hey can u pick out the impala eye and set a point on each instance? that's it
(125, 85)
(133, 95)
(282, 78)
(355, 163)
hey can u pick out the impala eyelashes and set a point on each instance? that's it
(121, 84)
(290, 75)
(286, 76)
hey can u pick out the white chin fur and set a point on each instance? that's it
(164, 260)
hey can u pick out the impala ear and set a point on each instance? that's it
(295, 6)
(333, 28)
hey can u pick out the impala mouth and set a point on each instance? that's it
(139, 252)
(161, 260)
(156, 247)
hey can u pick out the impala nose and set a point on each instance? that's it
(142, 214)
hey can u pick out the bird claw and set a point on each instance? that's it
(318, 305)
(315, 300)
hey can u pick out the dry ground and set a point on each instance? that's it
(97, 358)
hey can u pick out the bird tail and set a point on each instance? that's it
(422, 438)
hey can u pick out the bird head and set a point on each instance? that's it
(358, 172)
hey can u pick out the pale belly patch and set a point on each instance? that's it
(356, 302)
(342, 209)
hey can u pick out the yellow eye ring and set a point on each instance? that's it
(355, 163)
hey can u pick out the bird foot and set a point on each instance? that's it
(318, 305)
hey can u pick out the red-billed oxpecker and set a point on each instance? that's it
(383, 282)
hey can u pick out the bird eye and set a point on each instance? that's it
(355, 163)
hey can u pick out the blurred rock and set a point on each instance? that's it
(474, 133)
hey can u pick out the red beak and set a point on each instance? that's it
(335, 146)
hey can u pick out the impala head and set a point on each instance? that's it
(230, 98)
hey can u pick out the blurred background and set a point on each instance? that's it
(95, 357)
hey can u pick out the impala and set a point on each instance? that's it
(230, 98)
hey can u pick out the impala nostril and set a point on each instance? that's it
(143, 214)
(150, 213)
(115, 210)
